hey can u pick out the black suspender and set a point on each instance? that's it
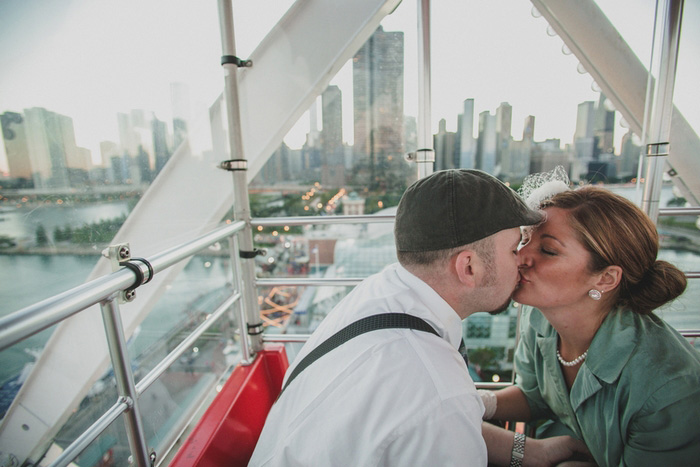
(370, 323)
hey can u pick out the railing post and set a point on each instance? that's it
(240, 310)
(425, 154)
(238, 165)
(667, 31)
(125, 381)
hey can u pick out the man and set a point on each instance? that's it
(404, 396)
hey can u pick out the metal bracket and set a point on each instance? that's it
(252, 254)
(658, 149)
(421, 156)
(119, 256)
(255, 329)
(232, 59)
(233, 165)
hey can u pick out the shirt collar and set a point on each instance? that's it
(612, 345)
(440, 314)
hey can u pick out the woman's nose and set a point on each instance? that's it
(524, 257)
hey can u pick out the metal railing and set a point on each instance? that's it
(105, 291)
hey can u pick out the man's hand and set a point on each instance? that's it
(558, 450)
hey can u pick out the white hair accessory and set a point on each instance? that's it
(539, 187)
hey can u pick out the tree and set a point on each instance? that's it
(41, 237)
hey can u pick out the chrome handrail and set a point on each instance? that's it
(323, 220)
(682, 211)
(35, 318)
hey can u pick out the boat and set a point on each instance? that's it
(200, 393)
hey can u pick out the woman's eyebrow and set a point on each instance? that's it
(554, 238)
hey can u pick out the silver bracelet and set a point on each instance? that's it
(516, 457)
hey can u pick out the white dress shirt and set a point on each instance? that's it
(387, 397)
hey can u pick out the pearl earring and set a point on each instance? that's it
(595, 294)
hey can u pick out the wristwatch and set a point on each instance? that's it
(516, 457)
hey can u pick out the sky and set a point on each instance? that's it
(92, 59)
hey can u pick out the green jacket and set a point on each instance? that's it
(636, 398)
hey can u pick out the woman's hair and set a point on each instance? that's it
(616, 232)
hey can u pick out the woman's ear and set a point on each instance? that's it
(466, 267)
(609, 278)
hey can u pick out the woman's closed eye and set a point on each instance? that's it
(548, 252)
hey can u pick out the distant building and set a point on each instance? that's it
(40, 146)
(486, 144)
(445, 144)
(378, 108)
(180, 101)
(353, 205)
(547, 155)
(333, 154)
(629, 156)
(467, 142)
(604, 127)
(504, 123)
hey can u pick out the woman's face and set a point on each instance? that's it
(554, 265)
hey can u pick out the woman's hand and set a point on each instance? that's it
(558, 450)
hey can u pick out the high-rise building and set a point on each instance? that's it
(467, 143)
(604, 127)
(515, 161)
(629, 156)
(160, 144)
(14, 136)
(333, 156)
(504, 124)
(446, 148)
(378, 105)
(40, 145)
(486, 144)
(180, 101)
(584, 139)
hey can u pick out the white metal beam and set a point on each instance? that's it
(622, 77)
(291, 67)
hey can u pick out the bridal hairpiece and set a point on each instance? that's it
(539, 187)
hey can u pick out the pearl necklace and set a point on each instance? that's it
(573, 362)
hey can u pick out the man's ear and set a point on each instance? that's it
(467, 267)
(609, 278)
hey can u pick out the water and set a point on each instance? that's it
(21, 223)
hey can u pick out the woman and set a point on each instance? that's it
(593, 359)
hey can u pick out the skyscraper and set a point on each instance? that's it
(333, 157)
(378, 105)
(15, 139)
(40, 146)
(604, 127)
(504, 124)
(486, 144)
(584, 141)
(467, 143)
(446, 149)
(180, 101)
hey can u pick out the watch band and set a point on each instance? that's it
(516, 456)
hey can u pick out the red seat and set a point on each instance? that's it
(229, 429)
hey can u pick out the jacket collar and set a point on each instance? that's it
(610, 350)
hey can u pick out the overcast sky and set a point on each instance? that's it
(91, 59)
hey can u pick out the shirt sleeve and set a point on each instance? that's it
(525, 359)
(666, 431)
(446, 435)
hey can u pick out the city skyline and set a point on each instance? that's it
(131, 74)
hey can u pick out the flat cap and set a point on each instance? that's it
(455, 207)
